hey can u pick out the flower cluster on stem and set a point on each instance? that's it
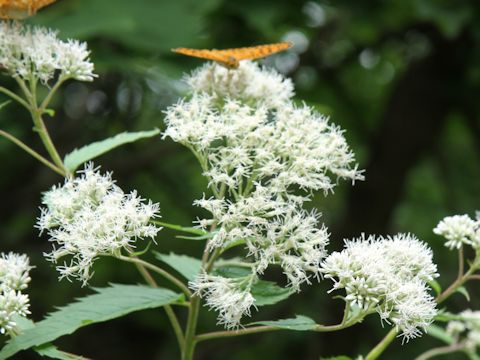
(89, 216)
(32, 53)
(459, 230)
(263, 157)
(387, 275)
(14, 278)
(466, 329)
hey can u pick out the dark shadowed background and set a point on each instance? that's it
(401, 77)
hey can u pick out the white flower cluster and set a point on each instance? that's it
(90, 216)
(466, 329)
(257, 148)
(248, 84)
(37, 53)
(389, 276)
(276, 231)
(459, 230)
(14, 277)
(226, 296)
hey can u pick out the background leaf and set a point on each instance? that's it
(269, 293)
(108, 303)
(88, 152)
(187, 266)
(48, 350)
(299, 323)
(463, 290)
(440, 334)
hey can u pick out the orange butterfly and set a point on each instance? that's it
(20, 9)
(230, 58)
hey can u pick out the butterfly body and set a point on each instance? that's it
(21, 9)
(230, 58)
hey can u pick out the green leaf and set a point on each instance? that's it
(198, 237)
(186, 229)
(141, 252)
(79, 156)
(446, 316)
(48, 350)
(264, 292)
(232, 271)
(472, 354)
(187, 266)
(4, 104)
(462, 290)
(108, 303)
(49, 112)
(269, 293)
(435, 285)
(354, 312)
(235, 243)
(440, 334)
(299, 323)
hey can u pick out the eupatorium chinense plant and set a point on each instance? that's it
(264, 157)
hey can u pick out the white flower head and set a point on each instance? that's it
(459, 230)
(225, 295)
(286, 149)
(90, 216)
(14, 271)
(14, 277)
(249, 83)
(466, 329)
(37, 52)
(387, 275)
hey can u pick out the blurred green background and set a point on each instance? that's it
(401, 77)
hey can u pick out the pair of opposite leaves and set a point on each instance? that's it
(20, 9)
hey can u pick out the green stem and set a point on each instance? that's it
(382, 345)
(168, 309)
(46, 140)
(15, 97)
(190, 340)
(455, 285)
(159, 271)
(26, 92)
(39, 125)
(266, 328)
(52, 92)
(442, 350)
(32, 152)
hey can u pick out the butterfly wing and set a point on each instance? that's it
(214, 55)
(256, 52)
(21, 9)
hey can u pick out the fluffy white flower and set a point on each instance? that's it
(12, 303)
(37, 52)
(90, 216)
(466, 329)
(387, 275)
(250, 84)
(14, 271)
(459, 230)
(228, 296)
(275, 231)
(14, 277)
(289, 148)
